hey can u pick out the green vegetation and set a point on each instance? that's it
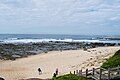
(70, 77)
(114, 61)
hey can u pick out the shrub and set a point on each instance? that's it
(70, 77)
(112, 62)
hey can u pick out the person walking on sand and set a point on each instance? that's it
(56, 71)
(40, 71)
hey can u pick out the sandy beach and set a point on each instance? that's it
(65, 61)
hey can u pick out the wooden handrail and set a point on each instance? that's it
(99, 73)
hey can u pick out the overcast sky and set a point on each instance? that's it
(60, 17)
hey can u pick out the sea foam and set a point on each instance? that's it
(15, 40)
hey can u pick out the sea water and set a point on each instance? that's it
(28, 38)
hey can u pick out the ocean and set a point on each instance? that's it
(28, 38)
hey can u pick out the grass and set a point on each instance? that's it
(112, 62)
(70, 77)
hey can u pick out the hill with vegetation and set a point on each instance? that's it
(112, 62)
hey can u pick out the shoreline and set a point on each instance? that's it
(50, 52)
(66, 61)
(16, 51)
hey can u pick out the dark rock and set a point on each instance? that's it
(2, 78)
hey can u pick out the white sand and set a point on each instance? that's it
(65, 61)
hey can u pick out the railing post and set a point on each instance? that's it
(74, 72)
(118, 70)
(80, 72)
(77, 72)
(100, 77)
(86, 72)
(108, 73)
(93, 72)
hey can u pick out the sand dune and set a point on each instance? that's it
(65, 61)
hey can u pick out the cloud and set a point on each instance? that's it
(60, 13)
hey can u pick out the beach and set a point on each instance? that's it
(65, 61)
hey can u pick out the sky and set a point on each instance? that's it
(89, 17)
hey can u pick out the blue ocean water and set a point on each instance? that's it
(33, 37)
(45, 36)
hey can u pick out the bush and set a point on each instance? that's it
(112, 62)
(70, 77)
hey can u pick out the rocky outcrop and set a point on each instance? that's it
(2, 78)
